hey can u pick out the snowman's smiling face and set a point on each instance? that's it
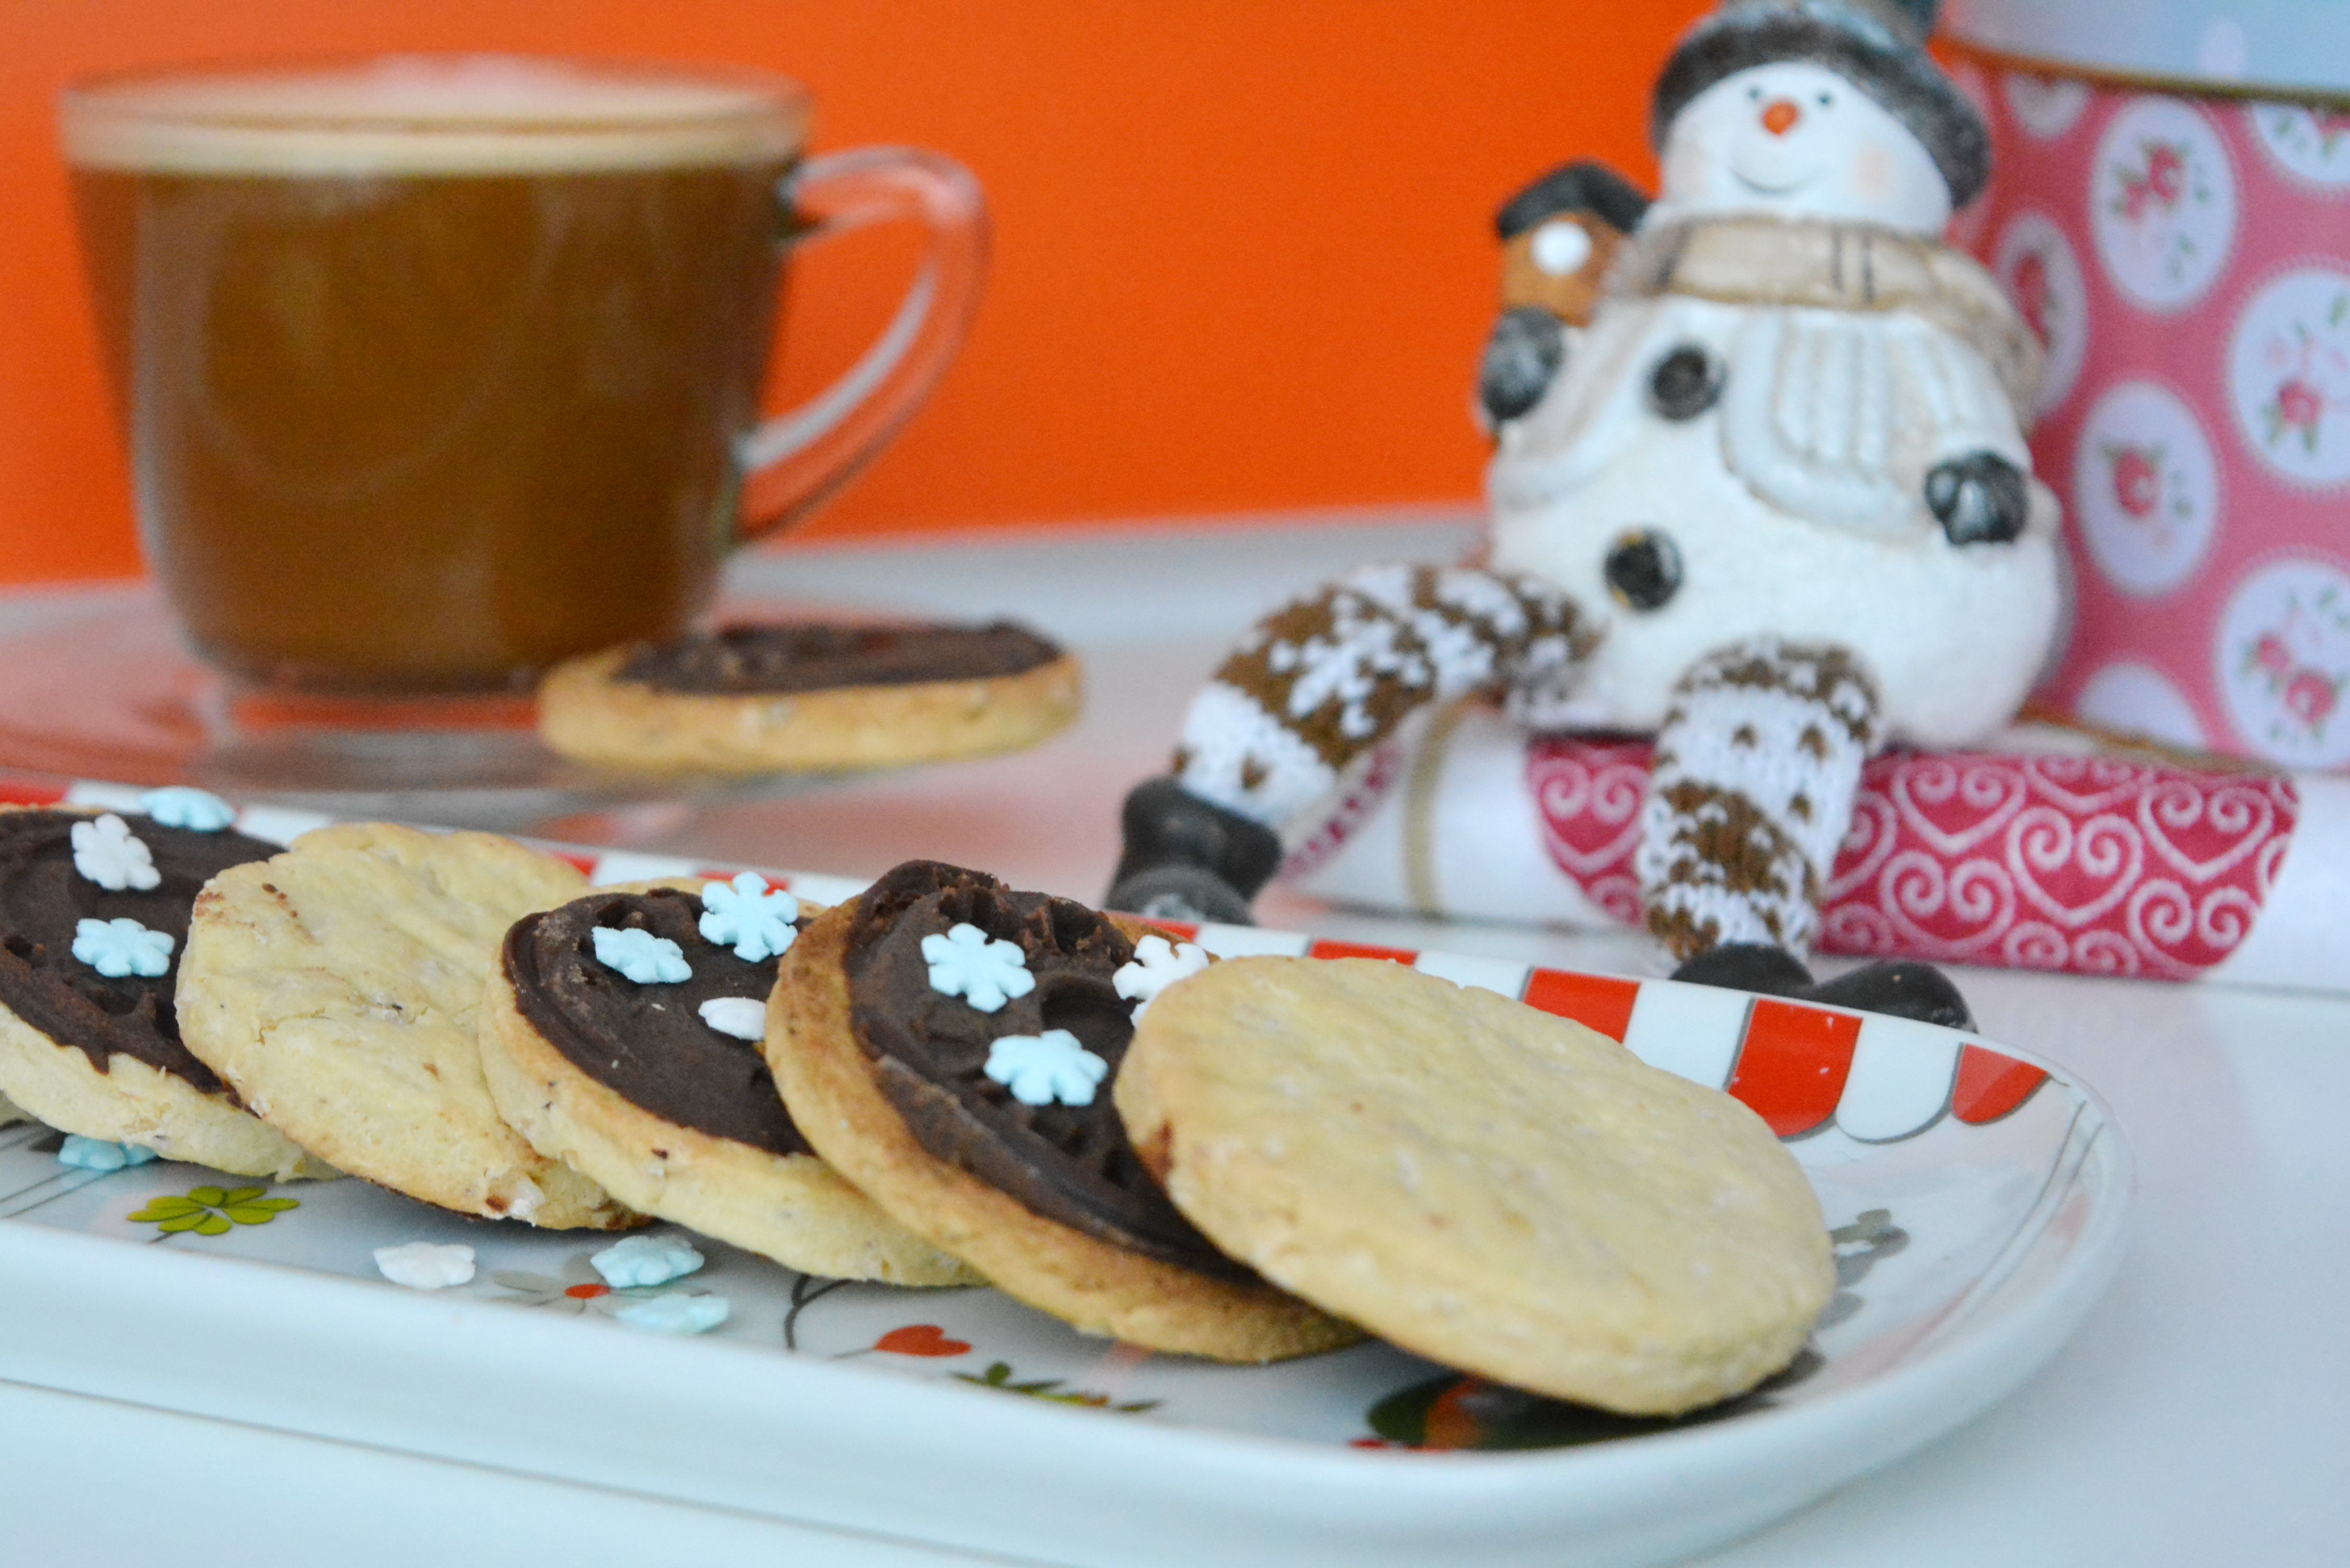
(1795, 139)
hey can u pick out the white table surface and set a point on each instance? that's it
(2201, 1416)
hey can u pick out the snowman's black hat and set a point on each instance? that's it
(1879, 46)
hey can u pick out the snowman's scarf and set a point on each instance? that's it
(1835, 266)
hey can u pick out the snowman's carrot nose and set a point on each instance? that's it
(1780, 115)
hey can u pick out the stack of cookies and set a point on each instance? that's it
(1267, 1156)
(940, 1081)
(459, 1018)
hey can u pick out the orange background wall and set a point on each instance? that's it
(1242, 259)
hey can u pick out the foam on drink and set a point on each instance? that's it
(440, 115)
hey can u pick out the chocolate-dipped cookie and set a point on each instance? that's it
(948, 1044)
(621, 1034)
(808, 697)
(94, 910)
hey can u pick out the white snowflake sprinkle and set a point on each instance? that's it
(750, 917)
(1158, 964)
(646, 1261)
(122, 947)
(195, 810)
(1040, 1069)
(674, 1313)
(96, 1154)
(987, 974)
(105, 852)
(743, 1017)
(426, 1265)
(525, 1202)
(641, 956)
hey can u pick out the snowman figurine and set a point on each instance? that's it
(1759, 487)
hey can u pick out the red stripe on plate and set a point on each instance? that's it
(1792, 1067)
(1599, 1002)
(577, 858)
(24, 792)
(1187, 929)
(1359, 949)
(1991, 1085)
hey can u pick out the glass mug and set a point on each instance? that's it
(436, 371)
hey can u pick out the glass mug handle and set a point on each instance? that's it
(795, 460)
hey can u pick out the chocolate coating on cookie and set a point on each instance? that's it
(757, 660)
(1072, 1164)
(43, 898)
(648, 1044)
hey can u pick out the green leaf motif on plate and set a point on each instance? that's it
(999, 1375)
(211, 1211)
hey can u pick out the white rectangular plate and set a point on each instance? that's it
(1978, 1198)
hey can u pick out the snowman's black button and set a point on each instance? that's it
(1685, 383)
(1980, 498)
(1644, 570)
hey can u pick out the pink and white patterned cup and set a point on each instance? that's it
(2183, 249)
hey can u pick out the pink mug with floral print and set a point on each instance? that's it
(2171, 213)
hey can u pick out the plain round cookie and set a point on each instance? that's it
(133, 1102)
(588, 715)
(791, 1207)
(338, 988)
(826, 1082)
(1503, 1191)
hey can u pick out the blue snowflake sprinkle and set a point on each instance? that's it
(675, 1314)
(750, 917)
(96, 1154)
(646, 1261)
(122, 947)
(195, 810)
(1040, 1069)
(641, 956)
(987, 974)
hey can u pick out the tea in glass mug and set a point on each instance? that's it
(436, 371)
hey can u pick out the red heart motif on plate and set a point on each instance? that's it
(921, 1339)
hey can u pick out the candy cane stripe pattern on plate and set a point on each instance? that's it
(1802, 1068)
